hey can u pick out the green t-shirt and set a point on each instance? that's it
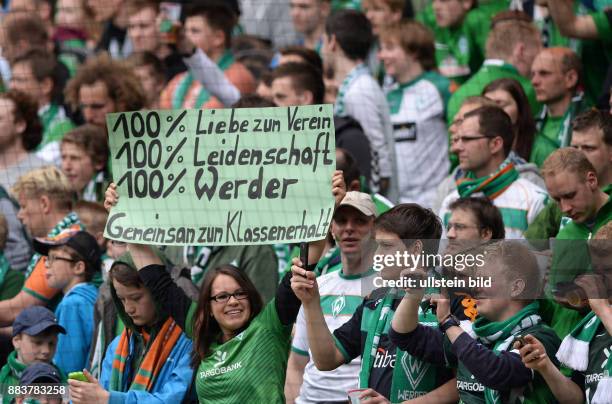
(571, 258)
(249, 368)
(491, 70)
(459, 50)
(11, 285)
(546, 140)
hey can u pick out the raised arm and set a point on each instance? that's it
(533, 355)
(570, 24)
(325, 353)
(154, 275)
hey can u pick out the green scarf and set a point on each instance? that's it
(501, 335)
(491, 185)
(70, 220)
(574, 353)
(10, 374)
(4, 267)
(403, 378)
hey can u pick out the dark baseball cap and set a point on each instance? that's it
(39, 372)
(34, 320)
(82, 242)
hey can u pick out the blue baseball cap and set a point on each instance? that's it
(39, 372)
(34, 320)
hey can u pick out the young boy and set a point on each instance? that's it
(41, 373)
(417, 102)
(35, 332)
(71, 263)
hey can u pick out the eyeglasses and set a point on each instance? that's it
(224, 296)
(459, 227)
(466, 139)
(52, 258)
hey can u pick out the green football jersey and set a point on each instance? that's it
(249, 368)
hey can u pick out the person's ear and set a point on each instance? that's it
(395, 17)
(79, 268)
(98, 165)
(416, 248)
(496, 145)
(218, 39)
(467, 5)
(486, 234)
(20, 126)
(47, 86)
(17, 342)
(571, 79)
(45, 204)
(517, 288)
(591, 179)
(325, 9)
(307, 98)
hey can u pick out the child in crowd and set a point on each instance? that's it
(149, 360)
(71, 264)
(35, 332)
(41, 373)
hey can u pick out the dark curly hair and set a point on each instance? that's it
(121, 83)
(26, 111)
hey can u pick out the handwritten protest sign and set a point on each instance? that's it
(222, 177)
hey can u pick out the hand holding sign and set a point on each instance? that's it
(222, 177)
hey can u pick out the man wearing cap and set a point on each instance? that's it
(71, 264)
(35, 332)
(41, 373)
(341, 293)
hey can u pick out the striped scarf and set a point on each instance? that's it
(492, 185)
(501, 335)
(155, 356)
(70, 222)
(574, 353)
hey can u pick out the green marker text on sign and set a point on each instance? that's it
(222, 177)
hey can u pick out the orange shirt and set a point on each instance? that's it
(236, 73)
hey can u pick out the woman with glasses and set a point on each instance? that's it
(240, 346)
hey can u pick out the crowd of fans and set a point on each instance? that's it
(484, 121)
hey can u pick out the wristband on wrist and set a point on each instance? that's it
(448, 322)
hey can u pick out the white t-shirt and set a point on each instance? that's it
(340, 297)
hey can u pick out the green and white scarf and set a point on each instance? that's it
(564, 135)
(71, 219)
(501, 335)
(400, 381)
(574, 353)
(491, 185)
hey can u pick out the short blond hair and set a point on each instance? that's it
(3, 231)
(567, 159)
(507, 32)
(49, 181)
